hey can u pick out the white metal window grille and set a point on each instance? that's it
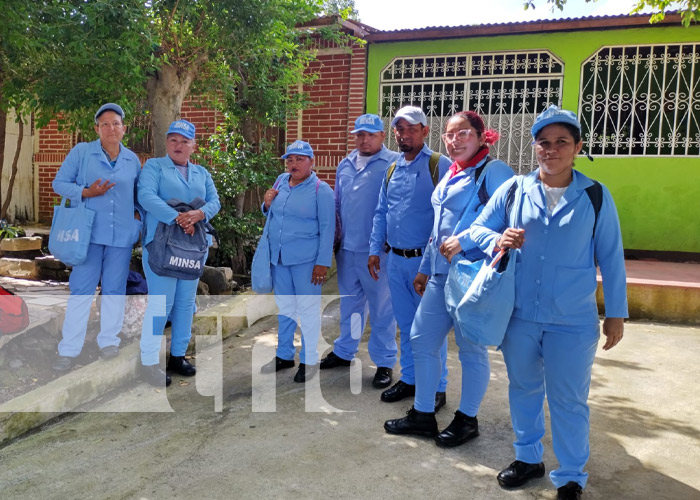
(642, 101)
(508, 89)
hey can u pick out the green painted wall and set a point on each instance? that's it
(658, 198)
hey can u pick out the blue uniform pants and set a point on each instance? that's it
(110, 266)
(297, 299)
(405, 301)
(359, 292)
(179, 306)
(428, 336)
(555, 360)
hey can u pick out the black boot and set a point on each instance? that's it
(180, 365)
(415, 422)
(571, 491)
(155, 376)
(462, 429)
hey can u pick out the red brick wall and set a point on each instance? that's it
(53, 146)
(338, 95)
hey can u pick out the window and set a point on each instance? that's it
(507, 89)
(642, 101)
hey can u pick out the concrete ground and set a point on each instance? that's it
(145, 443)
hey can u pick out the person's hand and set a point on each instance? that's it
(511, 238)
(187, 220)
(270, 195)
(97, 188)
(373, 266)
(318, 275)
(419, 283)
(450, 248)
(613, 329)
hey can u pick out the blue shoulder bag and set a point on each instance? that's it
(71, 228)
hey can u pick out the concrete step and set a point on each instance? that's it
(667, 292)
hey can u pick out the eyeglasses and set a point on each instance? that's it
(460, 135)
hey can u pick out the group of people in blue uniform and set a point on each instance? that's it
(395, 221)
(403, 216)
(109, 178)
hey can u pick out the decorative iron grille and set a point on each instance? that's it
(642, 101)
(507, 89)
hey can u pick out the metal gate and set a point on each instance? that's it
(508, 89)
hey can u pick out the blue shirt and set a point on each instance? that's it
(114, 223)
(404, 216)
(356, 196)
(555, 273)
(302, 222)
(453, 216)
(160, 181)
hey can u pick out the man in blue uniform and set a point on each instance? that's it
(403, 219)
(358, 180)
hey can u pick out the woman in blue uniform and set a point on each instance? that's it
(172, 176)
(301, 209)
(553, 334)
(457, 200)
(104, 174)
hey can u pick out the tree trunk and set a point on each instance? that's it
(3, 127)
(15, 167)
(167, 90)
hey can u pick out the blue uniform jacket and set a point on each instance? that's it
(114, 223)
(555, 280)
(452, 217)
(161, 180)
(404, 217)
(302, 222)
(356, 196)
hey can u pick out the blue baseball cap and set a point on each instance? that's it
(412, 115)
(299, 148)
(110, 106)
(182, 127)
(368, 123)
(553, 114)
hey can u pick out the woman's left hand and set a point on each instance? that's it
(318, 275)
(612, 329)
(187, 220)
(450, 248)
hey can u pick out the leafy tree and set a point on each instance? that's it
(689, 9)
(344, 8)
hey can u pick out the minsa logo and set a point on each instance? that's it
(185, 263)
(182, 125)
(366, 120)
(68, 235)
(297, 145)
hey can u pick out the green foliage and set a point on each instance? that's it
(689, 9)
(238, 167)
(8, 231)
(344, 8)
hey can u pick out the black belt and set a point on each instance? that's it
(413, 252)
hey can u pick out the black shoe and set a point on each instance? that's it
(519, 473)
(462, 429)
(440, 400)
(276, 365)
(398, 391)
(305, 372)
(155, 376)
(180, 365)
(333, 360)
(571, 491)
(415, 422)
(382, 378)
(109, 352)
(62, 364)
